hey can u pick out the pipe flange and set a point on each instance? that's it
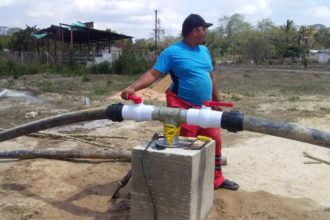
(114, 112)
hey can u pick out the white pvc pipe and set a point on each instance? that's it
(204, 118)
(138, 112)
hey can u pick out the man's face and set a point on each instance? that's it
(200, 34)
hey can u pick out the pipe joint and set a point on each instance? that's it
(113, 112)
(138, 112)
(204, 118)
(232, 121)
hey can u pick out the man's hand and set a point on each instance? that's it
(144, 81)
(126, 92)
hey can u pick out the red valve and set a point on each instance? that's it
(135, 99)
(216, 104)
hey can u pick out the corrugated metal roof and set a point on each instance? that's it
(80, 34)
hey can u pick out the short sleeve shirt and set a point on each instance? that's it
(190, 70)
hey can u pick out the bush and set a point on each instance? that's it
(34, 68)
(101, 68)
(14, 69)
(86, 78)
(11, 68)
(2, 67)
(130, 63)
(71, 70)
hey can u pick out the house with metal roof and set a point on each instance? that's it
(78, 41)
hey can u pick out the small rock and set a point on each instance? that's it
(31, 114)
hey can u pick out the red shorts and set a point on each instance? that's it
(193, 131)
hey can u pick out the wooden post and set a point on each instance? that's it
(71, 37)
(55, 50)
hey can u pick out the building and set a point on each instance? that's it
(88, 44)
(321, 56)
(3, 30)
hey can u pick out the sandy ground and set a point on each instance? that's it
(277, 181)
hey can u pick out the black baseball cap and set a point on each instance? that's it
(192, 21)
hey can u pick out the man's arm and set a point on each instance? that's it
(144, 81)
(215, 90)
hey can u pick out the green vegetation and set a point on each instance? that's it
(130, 62)
(102, 68)
(46, 86)
(4, 42)
(265, 43)
(23, 40)
(251, 83)
(233, 39)
(86, 78)
(11, 68)
(58, 86)
(294, 99)
(114, 83)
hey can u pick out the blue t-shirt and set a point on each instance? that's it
(190, 70)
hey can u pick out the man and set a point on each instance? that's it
(190, 65)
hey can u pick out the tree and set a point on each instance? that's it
(256, 48)
(11, 31)
(4, 42)
(166, 41)
(305, 40)
(234, 28)
(322, 37)
(265, 25)
(306, 36)
(213, 42)
(289, 30)
(290, 46)
(23, 40)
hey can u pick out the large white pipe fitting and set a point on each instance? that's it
(204, 118)
(137, 112)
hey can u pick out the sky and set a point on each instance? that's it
(137, 18)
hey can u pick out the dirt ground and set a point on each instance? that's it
(277, 181)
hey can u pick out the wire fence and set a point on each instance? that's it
(25, 57)
(81, 57)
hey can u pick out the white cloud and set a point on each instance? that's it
(252, 10)
(40, 14)
(47, 11)
(136, 17)
(4, 3)
(131, 17)
(87, 5)
(320, 12)
(110, 6)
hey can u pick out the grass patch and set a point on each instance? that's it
(86, 78)
(291, 84)
(46, 86)
(248, 94)
(113, 83)
(235, 97)
(57, 86)
(294, 99)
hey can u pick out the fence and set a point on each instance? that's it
(81, 57)
(24, 57)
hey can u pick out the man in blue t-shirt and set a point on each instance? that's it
(190, 66)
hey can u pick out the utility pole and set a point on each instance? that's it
(156, 30)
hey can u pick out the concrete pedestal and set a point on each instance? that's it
(180, 181)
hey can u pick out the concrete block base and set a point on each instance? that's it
(180, 181)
